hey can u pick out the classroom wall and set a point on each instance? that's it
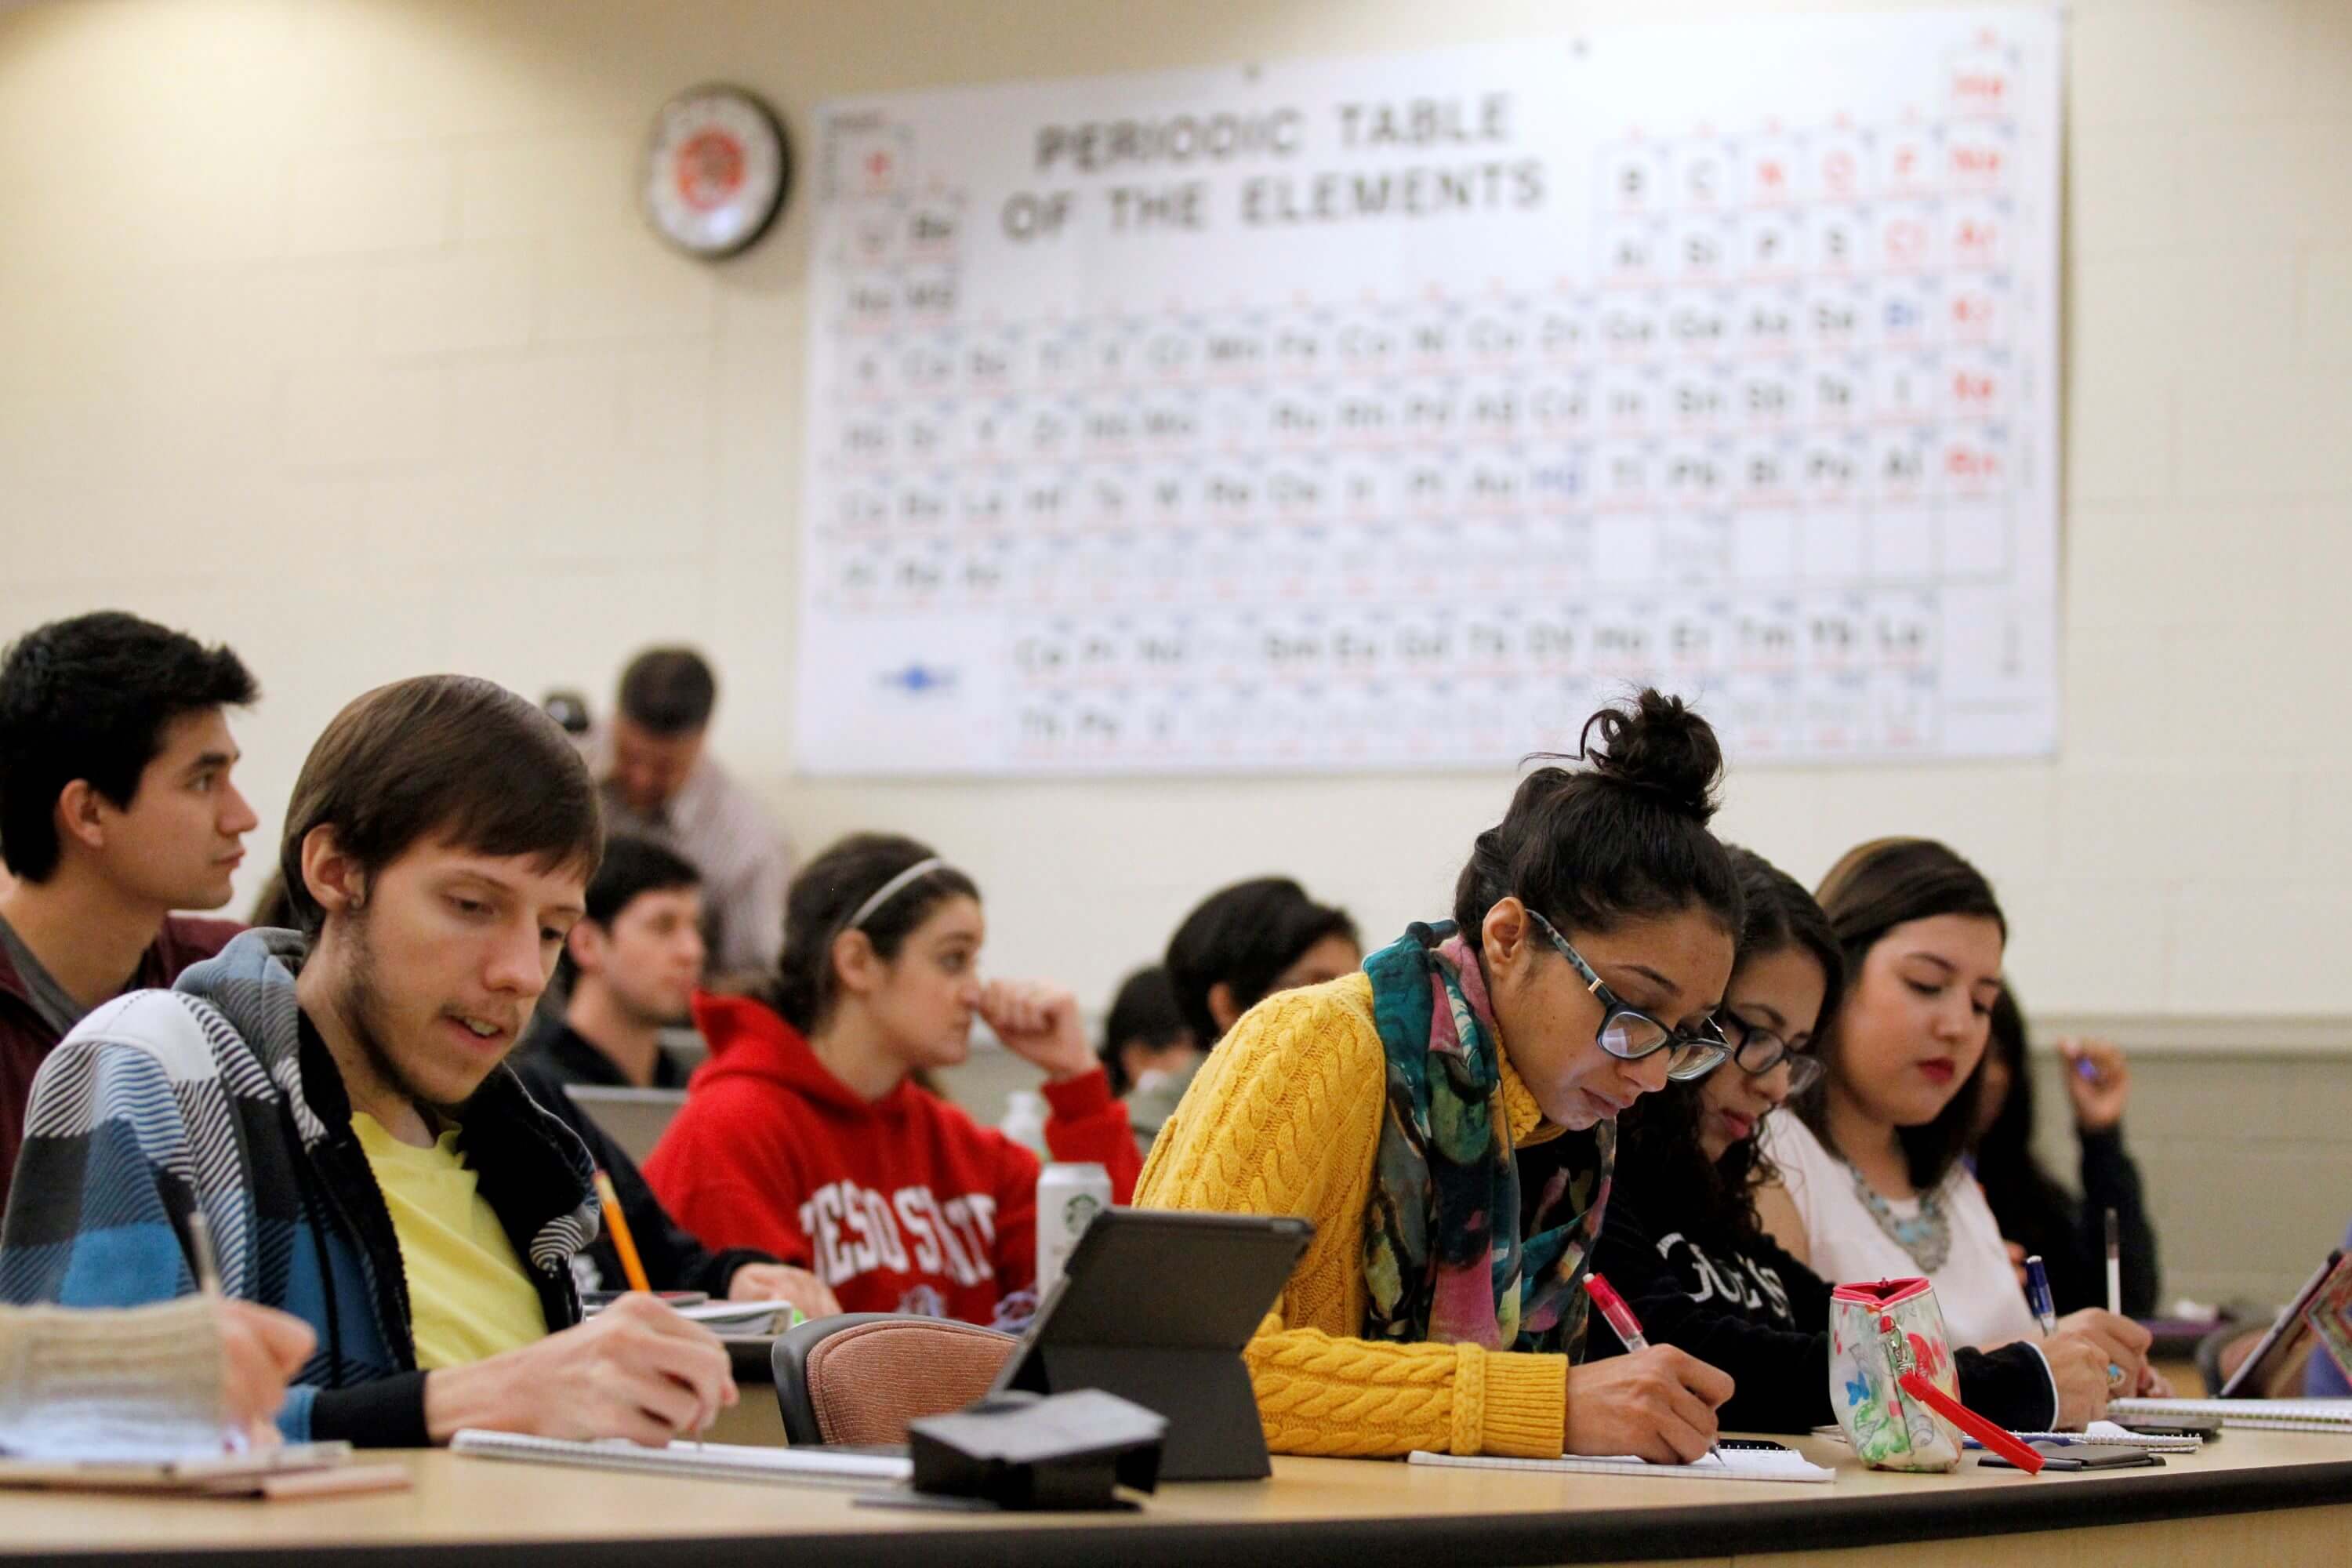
(329, 327)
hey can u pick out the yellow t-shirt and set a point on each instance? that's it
(469, 1295)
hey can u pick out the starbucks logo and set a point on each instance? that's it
(1079, 1213)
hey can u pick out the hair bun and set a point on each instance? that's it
(1660, 746)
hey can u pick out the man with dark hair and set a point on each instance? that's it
(116, 808)
(658, 781)
(630, 968)
(1244, 942)
(634, 960)
(336, 1100)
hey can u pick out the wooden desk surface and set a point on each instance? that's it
(1358, 1513)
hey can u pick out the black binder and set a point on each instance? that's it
(1155, 1307)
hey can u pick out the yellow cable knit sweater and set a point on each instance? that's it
(1285, 1119)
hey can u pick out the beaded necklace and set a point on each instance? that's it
(1926, 1236)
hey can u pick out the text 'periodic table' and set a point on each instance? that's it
(1398, 412)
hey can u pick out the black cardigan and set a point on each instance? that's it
(2070, 1236)
(1748, 1309)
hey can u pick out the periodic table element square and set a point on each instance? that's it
(1902, 461)
(1907, 162)
(872, 234)
(1705, 175)
(1635, 180)
(1906, 316)
(1632, 399)
(1771, 170)
(1764, 548)
(1769, 392)
(1560, 407)
(1767, 471)
(1769, 245)
(1977, 308)
(1772, 320)
(1981, 79)
(1973, 462)
(1634, 253)
(1902, 541)
(1696, 475)
(933, 227)
(1631, 326)
(866, 369)
(1908, 237)
(867, 303)
(1838, 240)
(1837, 392)
(866, 156)
(1706, 247)
(1977, 383)
(930, 293)
(1700, 395)
(1834, 473)
(1561, 331)
(1976, 539)
(1907, 386)
(1980, 157)
(1836, 166)
(1838, 317)
(1975, 234)
(926, 365)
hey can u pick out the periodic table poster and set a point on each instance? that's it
(1396, 412)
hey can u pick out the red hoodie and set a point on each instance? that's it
(903, 1205)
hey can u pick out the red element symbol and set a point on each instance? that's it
(1967, 388)
(1838, 170)
(708, 169)
(1975, 238)
(1770, 175)
(1981, 86)
(1977, 163)
(1973, 309)
(877, 166)
(1906, 240)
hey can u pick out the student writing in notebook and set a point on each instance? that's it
(1682, 1242)
(1871, 1184)
(337, 1099)
(132, 1359)
(1445, 1116)
(806, 1135)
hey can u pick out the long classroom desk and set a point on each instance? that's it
(2253, 1497)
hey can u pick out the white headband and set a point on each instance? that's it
(891, 890)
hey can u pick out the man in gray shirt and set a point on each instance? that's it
(656, 780)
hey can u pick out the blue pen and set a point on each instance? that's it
(2037, 1295)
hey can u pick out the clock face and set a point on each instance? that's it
(715, 171)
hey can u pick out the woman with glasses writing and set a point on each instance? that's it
(1446, 1117)
(1871, 1183)
(1682, 1244)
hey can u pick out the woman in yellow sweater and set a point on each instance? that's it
(1447, 1117)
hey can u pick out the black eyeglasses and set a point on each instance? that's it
(1759, 1051)
(1629, 1034)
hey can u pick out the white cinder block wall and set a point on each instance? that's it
(329, 327)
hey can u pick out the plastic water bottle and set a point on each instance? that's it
(1024, 1121)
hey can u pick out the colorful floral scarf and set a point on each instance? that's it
(1444, 1257)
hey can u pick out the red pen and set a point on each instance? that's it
(1997, 1438)
(1620, 1316)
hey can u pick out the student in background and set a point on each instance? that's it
(2035, 1212)
(1871, 1181)
(634, 959)
(117, 807)
(1148, 1051)
(1445, 1116)
(1682, 1242)
(804, 1136)
(1244, 942)
(336, 1100)
(630, 969)
(656, 780)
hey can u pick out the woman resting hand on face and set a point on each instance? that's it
(1871, 1184)
(1682, 1242)
(1446, 1117)
(807, 1135)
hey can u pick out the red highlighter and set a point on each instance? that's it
(1996, 1439)
(1620, 1316)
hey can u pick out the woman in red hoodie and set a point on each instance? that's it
(805, 1136)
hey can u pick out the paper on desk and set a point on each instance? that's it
(124, 1384)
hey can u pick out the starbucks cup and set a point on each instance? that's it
(1069, 1198)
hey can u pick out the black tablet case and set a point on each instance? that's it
(1155, 1307)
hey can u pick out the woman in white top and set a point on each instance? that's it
(1871, 1186)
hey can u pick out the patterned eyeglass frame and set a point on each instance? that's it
(1713, 1048)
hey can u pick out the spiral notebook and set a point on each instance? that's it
(2271, 1415)
(716, 1461)
(1773, 1464)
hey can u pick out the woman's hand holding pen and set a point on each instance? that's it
(2096, 1081)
